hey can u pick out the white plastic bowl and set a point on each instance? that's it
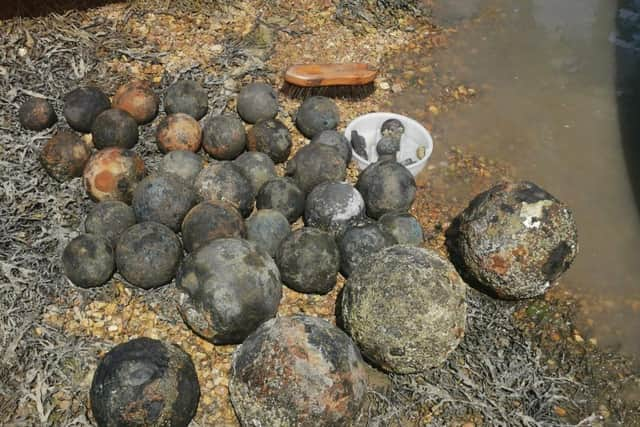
(415, 135)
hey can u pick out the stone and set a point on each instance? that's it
(257, 167)
(359, 145)
(224, 182)
(314, 164)
(224, 137)
(284, 195)
(257, 101)
(392, 127)
(165, 199)
(64, 156)
(184, 164)
(37, 114)
(317, 113)
(82, 106)
(336, 140)
(208, 221)
(404, 227)
(297, 371)
(188, 97)
(360, 239)
(516, 239)
(267, 228)
(331, 205)
(88, 261)
(179, 132)
(405, 308)
(272, 138)
(386, 186)
(388, 146)
(228, 287)
(112, 174)
(145, 382)
(114, 128)
(138, 99)
(109, 219)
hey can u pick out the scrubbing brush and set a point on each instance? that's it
(350, 80)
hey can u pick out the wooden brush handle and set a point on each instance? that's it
(312, 75)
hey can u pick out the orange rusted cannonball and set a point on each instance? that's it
(138, 99)
(64, 155)
(179, 132)
(112, 174)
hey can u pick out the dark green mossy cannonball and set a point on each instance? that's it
(82, 106)
(257, 101)
(114, 128)
(145, 382)
(316, 114)
(179, 132)
(163, 198)
(37, 114)
(272, 138)
(188, 97)
(284, 195)
(209, 221)
(148, 255)
(224, 182)
(184, 164)
(361, 238)
(109, 219)
(64, 156)
(314, 164)
(404, 227)
(386, 186)
(257, 167)
(267, 228)
(335, 139)
(224, 137)
(88, 261)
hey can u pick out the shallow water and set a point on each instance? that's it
(558, 95)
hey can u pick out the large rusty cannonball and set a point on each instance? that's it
(179, 132)
(138, 99)
(112, 174)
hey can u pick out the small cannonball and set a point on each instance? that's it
(257, 101)
(138, 99)
(272, 138)
(228, 287)
(37, 114)
(223, 181)
(257, 167)
(284, 195)
(82, 106)
(386, 186)
(297, 371)
(109, 219)
(112, 174)
(184, 164)
(316, 114)
(267, 228)
(64, 156)
(517, 239)
(209, 221)
(331, 205)
(361, 238)
(224, 137)
(405, 308)
(309, 260)
(392, 127)
(335, 139)
(314, 164)
(359, 144)
(88, 261)
(163, 198)
(388, 145)
(187, 96)
(148, 255)
(404, 227)
(114, 128)
(179, 132)
(145, 382)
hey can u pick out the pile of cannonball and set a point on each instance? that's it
(219, 222)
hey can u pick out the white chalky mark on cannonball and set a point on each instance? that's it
(532, 212)
(352, 208)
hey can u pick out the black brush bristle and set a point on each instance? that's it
(354, 92)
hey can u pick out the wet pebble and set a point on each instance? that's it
(359, 145)
(336, 140)
(404, 227)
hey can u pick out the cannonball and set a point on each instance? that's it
(148, 254)
(317, 113)
(228, 287)
(267, 228)
(272, 138)
(392, 127)
(404, 228)
(257, 167)
(336, 140)
(138, 99)
(360, 239)
(145, 382)
(209, 221)
(405, 308)
(37, 114)
(184, 164)
(223, 181)
(179, 132)
(112, 174)
(331, 205)
(314, 164)
(186, 96)
(88, 261)
(516, 239)
(163, 198)
(82, 106)
(388, 145)
(284, 195)
(224, 137)
(386, 186)
(114, 128)
(64, 156)
(257, 101)
(309, 260)
(109, 219)
(297, 371)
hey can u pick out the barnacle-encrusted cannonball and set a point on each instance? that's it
(37, 114)
(224, 137)
(386, 186)
(163, 198)
(334, 139)
(297, 371)
(267, 228)
(109, 219)
(404, 227)
(148, 254)
(405, 308)
(331, 205)
(179, 132)
(209, 221)
(112, 174)
(314, 164)
(284, 195)
(88, 261)
(228, 287)
(257, 167)
(82, 106)
(257, 101)
(223, 181)
(272, 138)
(361, 238)
(64, 156)
(145, 382)
(114, 128)
(186, 96)
(517, 239)
(317, 113)
(184, 164)
(138, 99)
